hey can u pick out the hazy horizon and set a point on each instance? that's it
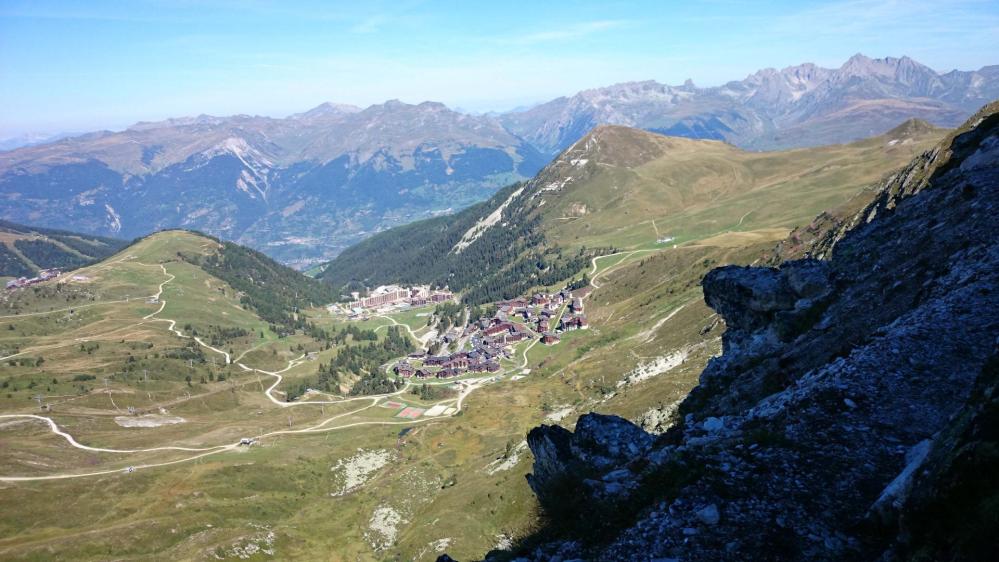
(108, 65)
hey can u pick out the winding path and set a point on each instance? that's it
(468, 385)
(627, 254)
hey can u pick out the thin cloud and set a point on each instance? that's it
(565, 33)
(370, 24)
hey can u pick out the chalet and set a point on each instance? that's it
(498, 328)
(456, 363)
(515, 337)
(577, 305)
(549, 338)
(569, 323)
(435, 360)
(404, 369)
(492, 367)
(448, 373)
(422, 374)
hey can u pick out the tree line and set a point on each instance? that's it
(505, 260)
(363, 360)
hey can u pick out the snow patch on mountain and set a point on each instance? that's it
(113, 218)
(253, 179)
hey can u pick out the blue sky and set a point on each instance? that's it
(75, 66)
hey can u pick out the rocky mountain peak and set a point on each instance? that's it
(199, 120)
(801, 105)
(903, 68)
(909, 128)
(327, 109)
(616, 145)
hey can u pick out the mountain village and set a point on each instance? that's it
(477, 345)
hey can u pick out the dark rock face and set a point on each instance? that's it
(853, 412)
(764, 306)
(563, 458)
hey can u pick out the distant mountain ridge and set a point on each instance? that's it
(300, 188)
(803, 105)
(305, 187)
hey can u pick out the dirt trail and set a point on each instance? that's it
(468, 386)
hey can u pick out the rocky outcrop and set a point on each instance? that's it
(563, 459)
(764, 307)
(852, 413)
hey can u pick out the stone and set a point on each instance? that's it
(714, 424)
(619, 474)
(709, 515)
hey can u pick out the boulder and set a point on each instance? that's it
(600, 447)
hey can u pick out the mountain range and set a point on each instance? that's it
(804, 105)
(622, 188)
(305, 187)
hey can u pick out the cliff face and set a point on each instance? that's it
(852, 414)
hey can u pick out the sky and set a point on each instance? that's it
(80, 66)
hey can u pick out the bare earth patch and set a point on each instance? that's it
(383, 527)
(148, 420)
(353, 472)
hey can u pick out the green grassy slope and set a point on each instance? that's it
(626, 189)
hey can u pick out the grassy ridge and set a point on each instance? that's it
(275, 292)
(622, 188)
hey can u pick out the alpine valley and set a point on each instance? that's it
(305, 187)
(750, 322)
